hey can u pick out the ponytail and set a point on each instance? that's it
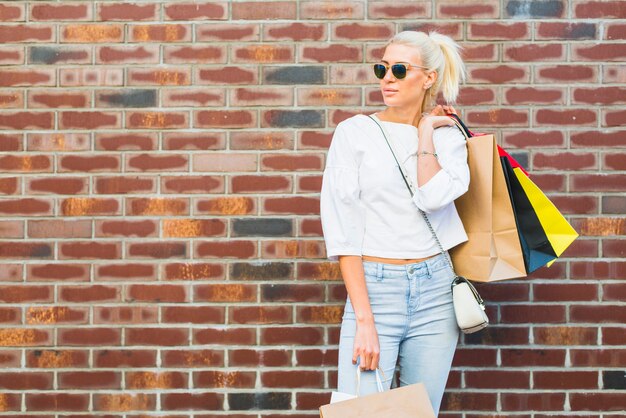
(439, 53)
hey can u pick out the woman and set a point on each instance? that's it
(399, 305)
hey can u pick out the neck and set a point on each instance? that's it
(410, 116)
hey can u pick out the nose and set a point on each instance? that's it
(389, 76)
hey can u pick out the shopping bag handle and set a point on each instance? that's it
(379, 382)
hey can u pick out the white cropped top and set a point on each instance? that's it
(366, 208)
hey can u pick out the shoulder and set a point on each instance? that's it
(355, 123)
(448, 133)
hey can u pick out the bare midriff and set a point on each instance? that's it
(395, 260)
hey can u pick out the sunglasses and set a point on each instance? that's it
(398, 70)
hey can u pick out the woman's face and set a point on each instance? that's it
(410, 90)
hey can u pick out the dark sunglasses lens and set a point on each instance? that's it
(379, 70)
(398, 70)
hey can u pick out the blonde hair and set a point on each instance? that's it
(439, 53)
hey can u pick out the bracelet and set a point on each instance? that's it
(419, 154)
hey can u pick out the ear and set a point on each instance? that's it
(430, 80)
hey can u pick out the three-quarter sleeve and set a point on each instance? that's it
(453, 179)
(342, 214)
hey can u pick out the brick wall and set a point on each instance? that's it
(161, 161)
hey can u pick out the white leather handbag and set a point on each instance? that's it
(469, 307)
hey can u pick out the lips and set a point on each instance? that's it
(389, 91)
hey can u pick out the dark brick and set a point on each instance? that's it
(295, 118)
(262, 227)
(533, 9)
(521, 157)
(267, 400)
(131, 98)
(260, 271)
(294, 75)
(52, 55)
(613, 204)
(614, 379)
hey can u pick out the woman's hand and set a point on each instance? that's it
(437, 118)
(366, 346)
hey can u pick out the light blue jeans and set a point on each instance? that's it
(414, 317)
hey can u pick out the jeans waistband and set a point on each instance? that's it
(428, 264)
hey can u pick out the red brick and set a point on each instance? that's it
(124, 185)
(193, 315)
(50, 11)
(228, 31)
(224, 119)
(264, 10)
(286, 162)
(498, 31)
(539, 401)
(157, 293)
(90, 380)
(26, 120)
(532, 357)
(261, 184)
(193, 358)
(156, 336)
(160, 33)
(11, 99)
(564, 161)
(531, 95)
(566, 73)
(124, 402)
(153, 380)
(125, 315)
(188, 97)
(230, 249)
(565, 335)
(57, 401)
(225, 293)
(125, 271)
(90, 250)
(597, 182)
(292, 205)
(143, 77)
(294, 31)
(194, 54)
(120, 54)
(27, 33)
(27, 206)
(604, 402)
(92, 33)
(524, 314)
(597, 357)
(161, 162)
(467, 400)
(292, 379)
(124, 358)
(196, 11)
(127, 11)
(534, 52)
(331, 53)
(477, 9)
(157, 250)
(260, 315)
(616, 118)
(292, 335)
(599, 52)
(226, 206)
(12, 12)
(262, 53)
(110, 228)
(497, 379)
(93, 293)
(90, 163)
(89, 207)
(89, 337)
(498, 117)
(599, 9)
(192, 271)
(58, 272)
(226, 75)
(228, 336)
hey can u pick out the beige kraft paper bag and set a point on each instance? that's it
(493, 251)
(409, 401)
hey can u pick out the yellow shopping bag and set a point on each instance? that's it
(559, 232)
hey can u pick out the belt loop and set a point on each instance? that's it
(429, 267)
(379, 271)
